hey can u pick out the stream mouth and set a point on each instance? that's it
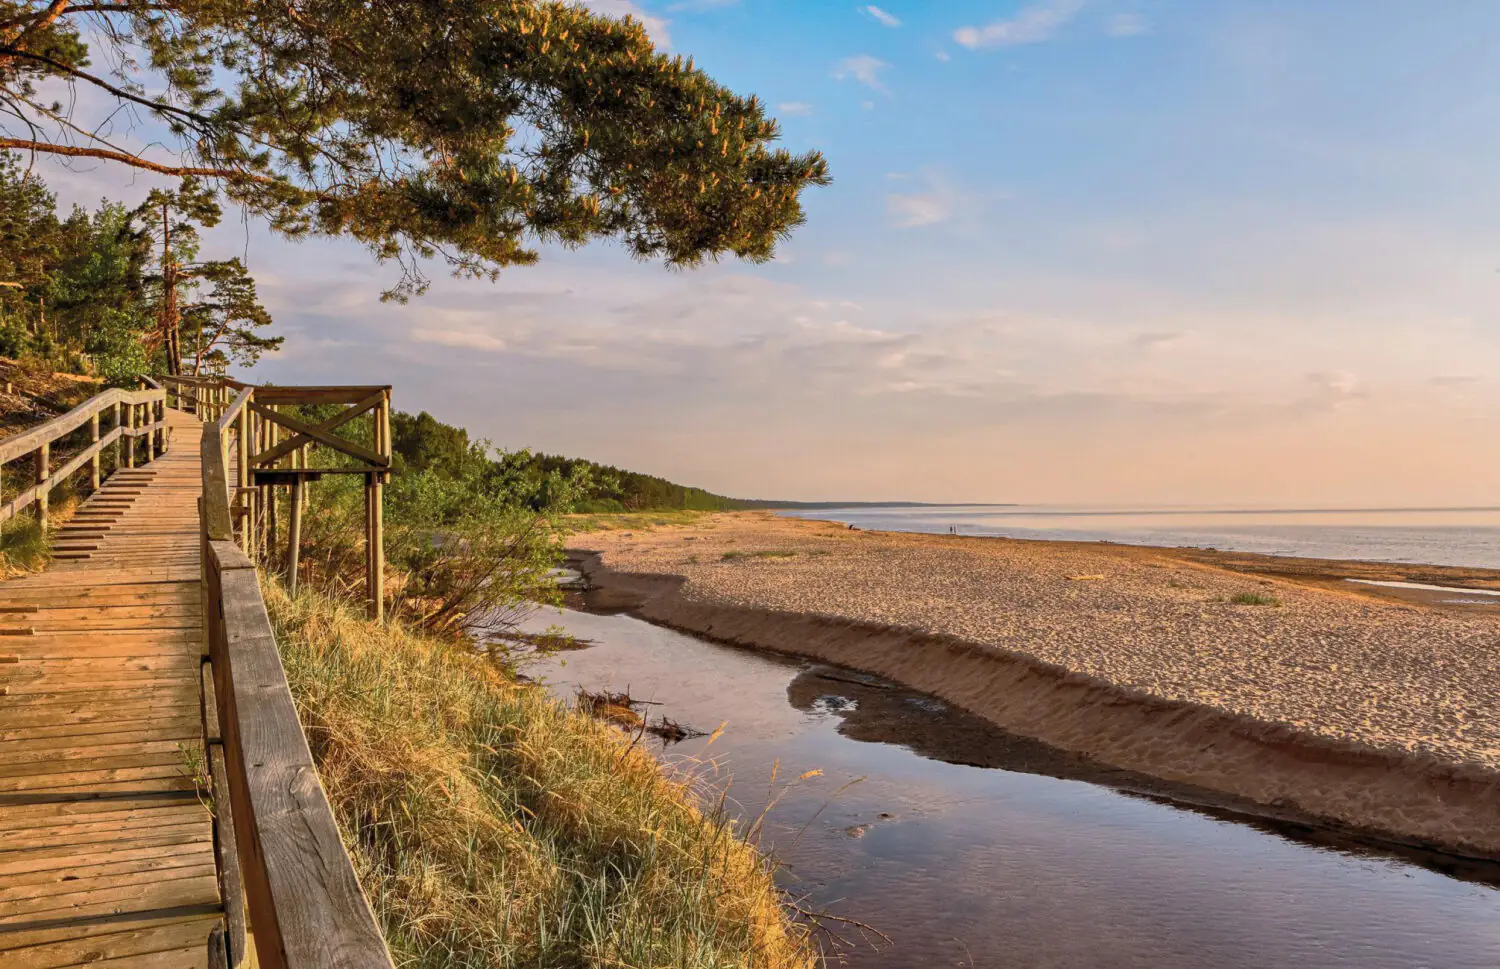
(970, 846)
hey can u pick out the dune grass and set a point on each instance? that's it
(493, 827)
(23, 546)
(635, 520)
(1254, 599)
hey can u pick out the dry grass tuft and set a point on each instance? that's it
(492, 827)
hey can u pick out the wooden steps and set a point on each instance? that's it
(106, 850)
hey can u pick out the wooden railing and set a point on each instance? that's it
(272, 450)
(283, 868)
(135, 414)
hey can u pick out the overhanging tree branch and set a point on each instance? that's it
(135, 161)
(118, 92)
(41, 23)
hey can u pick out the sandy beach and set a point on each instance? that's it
(1272, 681)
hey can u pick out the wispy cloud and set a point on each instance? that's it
(1127, 25)
(655, 26)
(863, 68)
(938, 204)
(1030, 25)
(799, 109)
(890, 20)
(463, 339)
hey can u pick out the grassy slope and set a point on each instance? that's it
(492, 827)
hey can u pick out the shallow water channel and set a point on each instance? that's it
(968, 846)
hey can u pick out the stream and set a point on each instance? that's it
(969, 846)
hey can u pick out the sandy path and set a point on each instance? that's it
(1343, 666)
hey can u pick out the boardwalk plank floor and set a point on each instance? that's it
(106, 851)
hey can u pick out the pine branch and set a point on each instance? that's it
(41, 23)
(135, 161)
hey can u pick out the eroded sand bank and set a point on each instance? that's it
(1342, 705)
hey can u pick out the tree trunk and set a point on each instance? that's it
(169, 316)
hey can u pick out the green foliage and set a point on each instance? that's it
(469, 133)
(223, 327)
(122, 285)
(116, 346)
(1254, 599)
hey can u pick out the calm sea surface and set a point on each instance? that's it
(1430, 536)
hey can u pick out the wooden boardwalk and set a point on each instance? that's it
(106, 849)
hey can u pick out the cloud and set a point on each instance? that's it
(943, 56)
(799, 109)
(921, 208)
(464, 339)
(1030, 25)
(880, 15)
(940, 202)
(655, 26)
(1127, 25)
(863, 68)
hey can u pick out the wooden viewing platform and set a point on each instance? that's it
(158, 803)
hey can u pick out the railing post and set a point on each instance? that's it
(273, 437)
(94, 469)
(244, 497)
(119, 439)
(43, 460)
(294, 536)
(375, 516)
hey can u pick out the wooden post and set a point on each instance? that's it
(374, 547)
(119, 441)
(375, 515)
(273, 436)
(242, 480)
(130, 445)
(294, 536)
(43, 461)
(94, 469)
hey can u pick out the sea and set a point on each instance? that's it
(1468, 537)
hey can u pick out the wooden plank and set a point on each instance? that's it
(303, 898)
(104, 933)
(316, 395)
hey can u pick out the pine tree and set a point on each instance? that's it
(169, 223)
(222, 328)
(463, 132)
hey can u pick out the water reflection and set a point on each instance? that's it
(969, 846)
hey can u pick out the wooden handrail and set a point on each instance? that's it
(37, 442)
(18, 445)
(299, 895)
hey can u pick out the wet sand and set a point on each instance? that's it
(1371, 708)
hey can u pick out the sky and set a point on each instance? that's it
(1097, 252)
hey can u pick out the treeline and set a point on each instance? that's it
(421, 441)
(121, 292)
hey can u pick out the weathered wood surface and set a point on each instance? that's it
(301, 895)
(106, 851)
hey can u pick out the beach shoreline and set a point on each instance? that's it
(1141, 661)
